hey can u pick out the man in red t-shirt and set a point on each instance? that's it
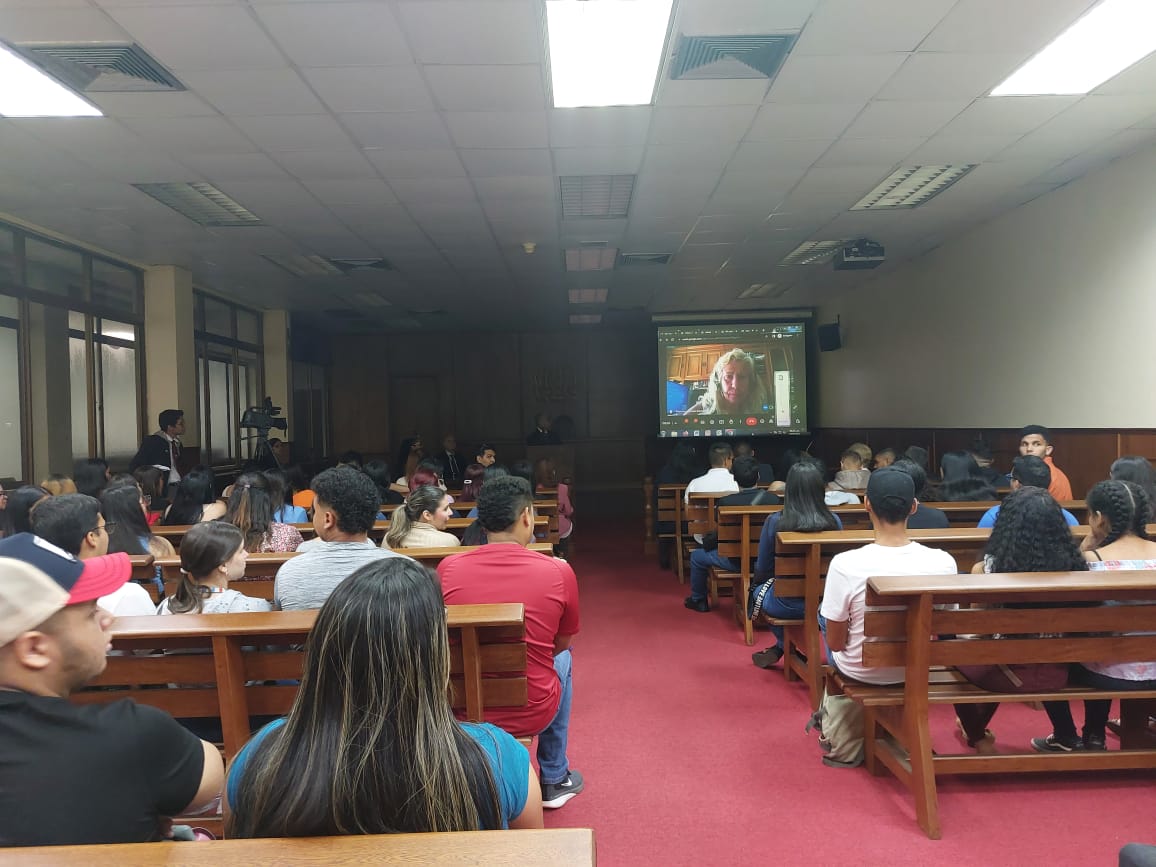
(506, 571)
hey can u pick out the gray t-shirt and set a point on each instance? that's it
(307, 580)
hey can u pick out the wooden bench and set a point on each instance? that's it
(912, 622)
(561, 847)
(669, 521)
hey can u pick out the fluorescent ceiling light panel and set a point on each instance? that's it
(588, 296)
(595, 195)
(606, 52)
(25, 91)
(306, 266)
(591, 258)
(910, 187)
(756, 290)
(202, 203)
(1110, 38)
(585, 318)
(811, 253)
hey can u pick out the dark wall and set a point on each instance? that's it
(490, 386)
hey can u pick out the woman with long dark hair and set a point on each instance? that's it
(1030, 535)
(212, 554)
(194, 501)
(378, 470)
(1118, 516)
(281, 491)
(90, 476)
(962, 481)
(371, 745)
(251, 510)
(471, 484)
(804, 511)
(1138, 470)
(17, 506)
(420, 522)
(123, 505)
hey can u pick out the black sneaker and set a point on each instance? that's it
(767, 658)
(554, 795)
(1052, 744)
(700, 605)
(1094, 743)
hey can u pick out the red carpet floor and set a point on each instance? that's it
(693, 756)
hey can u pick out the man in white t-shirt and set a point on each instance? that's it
(890, 500)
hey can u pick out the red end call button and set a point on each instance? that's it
(751, 421)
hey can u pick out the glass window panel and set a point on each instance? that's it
(75, 321)
(9, 267)
(221, 411)
(202, 415)
(11, 445)
(119, 403)
(114, 287)
(198, 312)
(78, 386)
(248, 326)
(119, 330)
(218, 318)
(53, 269)
(9, 306)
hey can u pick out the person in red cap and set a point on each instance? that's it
(75, 774)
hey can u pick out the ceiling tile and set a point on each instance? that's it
(191, 134)
(60, 25)
(869, 151)
(507, 162)
(179, 104)
(599, 127)
(425, 163)
(701, 123)
(711, 17)
(333, 163)
(890, 119)
(200, 37)
(380, 88)
(738, 91)
(756, 194)
(359, 191)
(293, 132)
(1106, 113)
(254, 91)
(757, 156)
(931, 76)
(996, 25)
(1009, 115)
(844, 27)
(498, 129)
(230, 167)
(597, 161)
(802, 121)
(484, 88)
(403, 130)
(839, 78)
(520, 188)
(336, 34)
(954, 149)
(1139, 78)
(698, 157)
(426, 191)
(448, 31)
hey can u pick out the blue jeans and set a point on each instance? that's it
(552, 761)
(700, 562)
(787, 607)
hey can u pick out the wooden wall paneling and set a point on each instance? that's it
(1141, 443)
(555, 380)
(622, 372)
(360, 396)
(416, 410)
(1085, 455)
(487, 393)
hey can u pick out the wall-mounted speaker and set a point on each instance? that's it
(829, 339)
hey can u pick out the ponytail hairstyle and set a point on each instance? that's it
(424, 499)
(205, 547)
(1124, 504)
(251, 509)
(471, 482)
(1134, 468)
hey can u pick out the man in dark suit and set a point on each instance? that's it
(452, 464)
(542, 435)
(163, 448)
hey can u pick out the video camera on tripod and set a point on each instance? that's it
(262, 419)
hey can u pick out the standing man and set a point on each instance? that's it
(163, 448)
(506, 571)
(453, 467)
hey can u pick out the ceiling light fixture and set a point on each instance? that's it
(202, 203)
(585, 318)
(811, 253)
(306, 266)
(606, 52)
(1104, 42)
(592, 258)
(25, 91)
(756, 290)
(910, 187)
(588, 296)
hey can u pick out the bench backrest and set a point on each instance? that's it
(670, 505)
(231, 666)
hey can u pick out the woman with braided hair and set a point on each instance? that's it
(1118, 514)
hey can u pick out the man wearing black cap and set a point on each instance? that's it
(890, 501)
(74, 774)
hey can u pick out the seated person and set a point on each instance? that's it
(251, 509)
(924, 517)
(885, 458)
(281, 492)
(547, 487)
(81, 773)
(717, 480)
(471, 484)
(733, 388)
(889, 501)
(864, 452)
(420, 522)
(212, 555)
(851, 476)
(57, 484)
(194, 500)
(371, 745)
(962, 482)
(746, 475)
(1035, 439)
(1118, 515)
(744, 449)
(1030, 471)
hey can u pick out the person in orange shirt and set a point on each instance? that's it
(1035, 440)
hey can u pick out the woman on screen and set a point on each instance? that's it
(734, 387)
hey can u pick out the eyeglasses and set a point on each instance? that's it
(107, 526)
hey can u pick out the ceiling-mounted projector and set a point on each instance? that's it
(859, 255)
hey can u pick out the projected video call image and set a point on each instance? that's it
(732, 380)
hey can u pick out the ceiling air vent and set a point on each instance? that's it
(725, 57)
(101, 68)
(346, 265)
(647, 258)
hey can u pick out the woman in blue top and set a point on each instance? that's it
(371, 745)
(804, 511)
